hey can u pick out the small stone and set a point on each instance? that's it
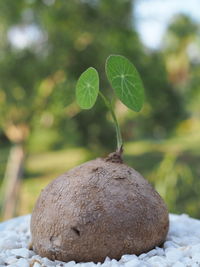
(196, 249)
(48, 262)
(186, 261)
(196, 258)
(178, 264)
(173, 255)
(56, 263)
(114, 263)
(22, 263)
(8, 244)
(194, 264)
(158, 264)
(10, 235)
(70, 264)
(169, 244)
(160, 251)
(107, 259)
(179, 251)
(142, 256)
(21, 252)
(10, 260)
(128, 257)
(31, 253)
(151, 253)
(2, 262)
(36, 259)
(132, 263)
(157, 261)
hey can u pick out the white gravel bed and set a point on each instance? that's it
(182, 247)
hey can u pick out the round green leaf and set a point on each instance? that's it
(126, 81)
(87, 88)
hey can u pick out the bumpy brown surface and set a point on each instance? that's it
(95, 210)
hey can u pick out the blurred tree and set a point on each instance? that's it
(58, 41)
(182, 57)
(177, 177)
(164, 105)
(44, 47)
(71, 37)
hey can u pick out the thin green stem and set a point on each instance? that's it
(118, 132)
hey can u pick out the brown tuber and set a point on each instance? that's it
(100, 208)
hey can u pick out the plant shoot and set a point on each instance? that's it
(124, 80)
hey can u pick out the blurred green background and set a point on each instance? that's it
(44, 47)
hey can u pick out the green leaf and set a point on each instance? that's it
(87, 88)
(126, 81)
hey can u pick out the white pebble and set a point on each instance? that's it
(22, 263)
(181, 249)
(128, 257)
(11, 235)
(48, 262)
(157, 261)
(151, 253)
(1, 261)
(173, 255)
(196, 249)
(114, 263)
(196, 258)
(89, 264)
(107, 259)
(170, 244)
(10, 260)
(132, 263)
(8, 244)
(70, 264)
(142, 256)
(186, 260)
(178, 264)
(21, 252)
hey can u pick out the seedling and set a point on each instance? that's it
(125, 81)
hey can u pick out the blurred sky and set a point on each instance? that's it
(153, 17)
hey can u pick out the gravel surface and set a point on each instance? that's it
(182, 247)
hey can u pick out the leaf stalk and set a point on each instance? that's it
(117, 128)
